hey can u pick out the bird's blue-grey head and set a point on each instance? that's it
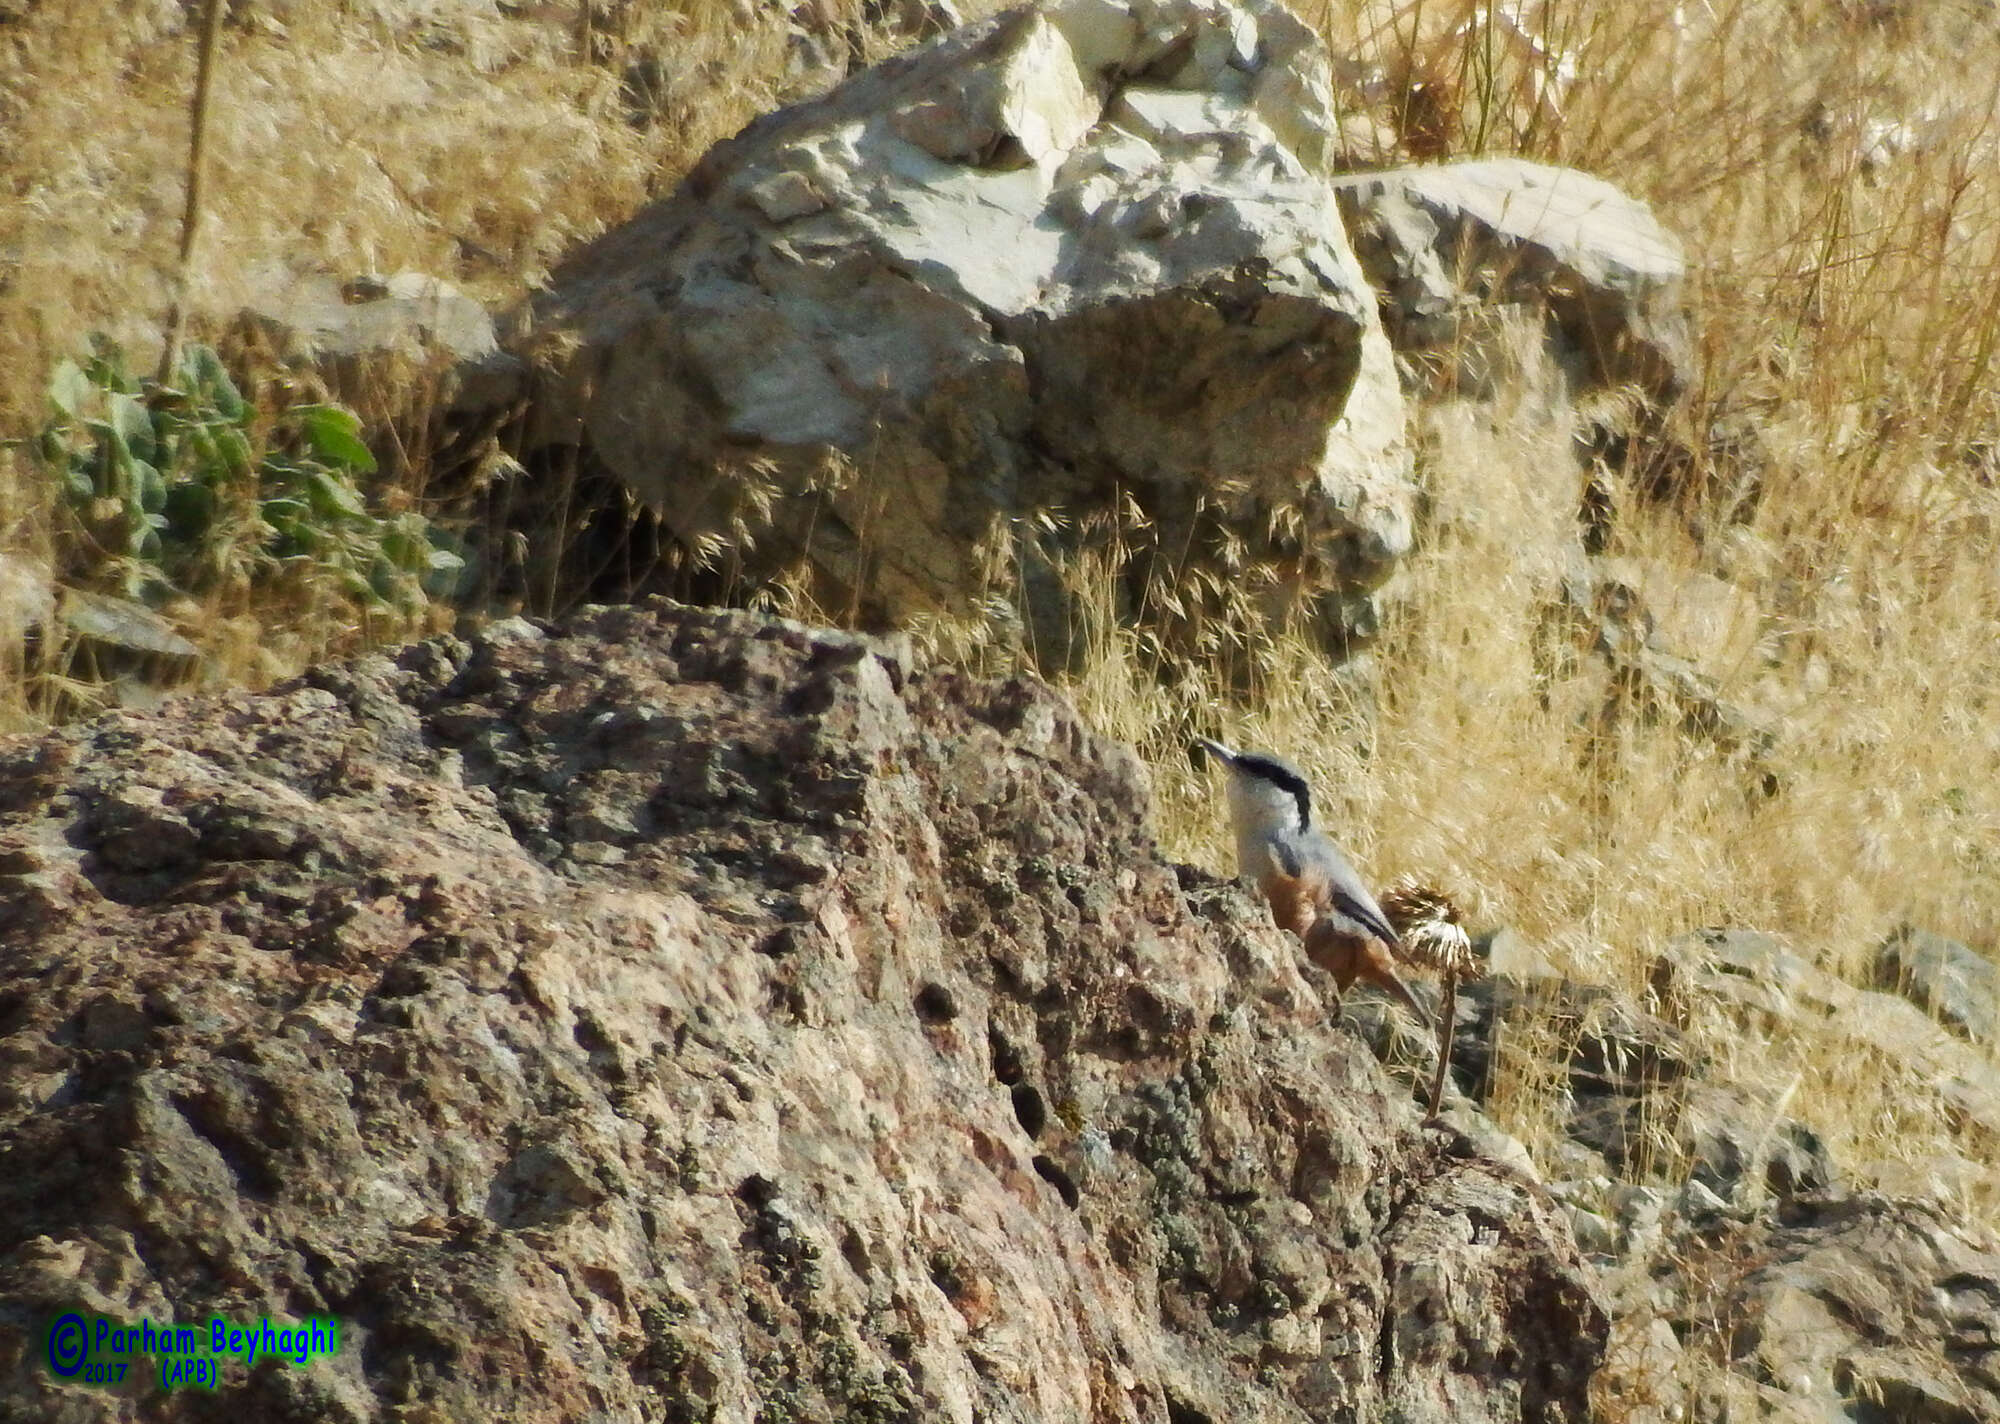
(1266, 793)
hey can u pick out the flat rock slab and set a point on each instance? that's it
(1846, 1308)
(370, 333)
(1954, 983)
(1450, 240)
(689, 1015)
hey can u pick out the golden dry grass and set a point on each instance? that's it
(464, 139)
(456, 137)
(1832, 170)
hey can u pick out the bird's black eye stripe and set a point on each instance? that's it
(1283, 776)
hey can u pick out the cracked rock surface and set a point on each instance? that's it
(681, 1015)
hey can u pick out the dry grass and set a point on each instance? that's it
(1832, 169)
(468, 140)
(1848, 300)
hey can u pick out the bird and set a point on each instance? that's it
(1313, 889)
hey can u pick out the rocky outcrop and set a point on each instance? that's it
(1830, 1307)
(1646, 641)
(982, 295)
(682, 1015)
(1957, 985)
(1751, 1274)
(1746, 984)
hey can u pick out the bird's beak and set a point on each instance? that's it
(1216, 750)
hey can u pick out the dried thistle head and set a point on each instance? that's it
(1427, 921)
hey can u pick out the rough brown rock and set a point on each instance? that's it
(682, 1015)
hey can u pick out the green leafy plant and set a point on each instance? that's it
(181, 488)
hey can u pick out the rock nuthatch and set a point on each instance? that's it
(1312, 887)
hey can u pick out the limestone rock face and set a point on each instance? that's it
(680, 1015)
(1450, 245)
(1073, 253)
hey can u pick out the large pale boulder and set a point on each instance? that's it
(1071, 254)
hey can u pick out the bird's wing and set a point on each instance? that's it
(1284, 858)
(1363, 910)
(1351, 897)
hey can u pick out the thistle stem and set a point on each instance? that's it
(1444, 1042)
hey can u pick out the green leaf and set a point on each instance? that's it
(405, 541)
(203, 371)
(335, 434)
(235, 451)
(358, 588)
(107, 369)
(69, 388)
(332, 496)
(134, 424)
(205, 462)
(151, 489)
(114, 461)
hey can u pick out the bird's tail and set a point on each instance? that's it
(1382, 974)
